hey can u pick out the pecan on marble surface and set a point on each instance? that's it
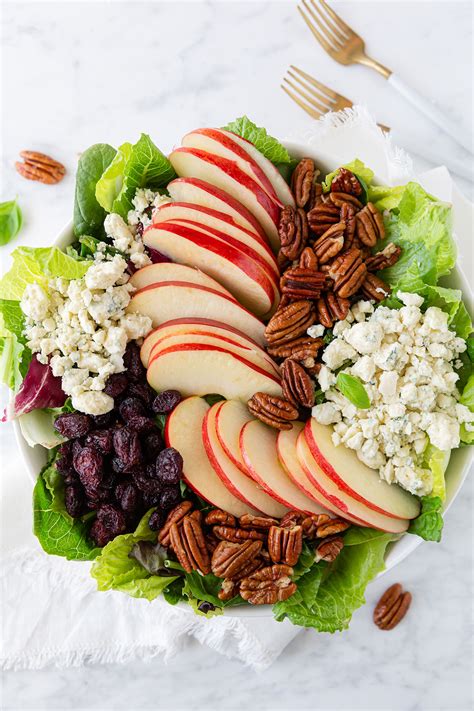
(290, 322)
(268, 585)
(349, 272)
(302, 181)
(285, 544)
(387, 257)
(346, 182)
(40, 167)
(392, 607)
(293, 232)
(297, 385)
(369, 225)
(331, 308)
(273, 411)
(375, 288)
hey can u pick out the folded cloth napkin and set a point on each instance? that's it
(52, 613)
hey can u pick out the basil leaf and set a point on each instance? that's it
(352, 388)
(89, 216)
(11, 220)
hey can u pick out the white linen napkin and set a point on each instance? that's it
(52, 613)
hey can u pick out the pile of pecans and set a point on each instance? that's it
(254, 555)
(326, 264)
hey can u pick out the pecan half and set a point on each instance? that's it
(317, 196)
(268, 585)
(329, 549)
(302, 181)
(392, 607)
(387, 257)
(348, 272)
(189, 545)
(346, 182)
(220, 518)
(262, 522)
(230, 586)
(299, 283)
(285, 544)
(308, 259)
(340, 199)
(293, 231)
(348, 213)
(322, 216)
(297, 385)
(290, 322)
(308, 522)
(237, 535)
(273, 411)
(176, 515)
(331, 308)
(369, 225)
(331, 527)
(330, 243)
(375, 288)
(299, 349)
(212, 542)
(230, 558)
(40, 167)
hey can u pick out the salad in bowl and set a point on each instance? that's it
(243, 373)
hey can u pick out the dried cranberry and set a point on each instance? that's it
(142, 391)
(102, 420)
(166, 401)
(72, 425)
(132, 362)
(74, 501)
(169, 497)
(127, 446)
(157, 520)
(116, 384)
(127, 496)
(142, 479)
(64, 466)
(131, 407)
(110, 522)
(141, 424)
(169, 466)
(65, 450)
(152, 444)
(88, 464)
(151, 497)
(100, 440)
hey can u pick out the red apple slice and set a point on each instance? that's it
(226, 174)
(200, 369)
(258, 447)
(240, 485)
(169, 271)
(237, 272)
(230, 419)
(177, 299)
(280, 185)
(338, 500)
(203, 327)
(183, 431)
(286, 450)
(258, 357)
(199, 192)
(224, 227)
(343, 466)
(221, 144)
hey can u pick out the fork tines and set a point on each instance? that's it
(327, 27)
(313, 96)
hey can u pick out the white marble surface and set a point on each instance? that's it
(75, 73)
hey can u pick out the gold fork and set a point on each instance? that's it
(347, 47)
(318, 99)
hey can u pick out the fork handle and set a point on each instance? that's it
(437, 117)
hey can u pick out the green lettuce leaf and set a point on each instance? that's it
(467, 399)
(328, 595)
(360, 170)
(385, 197)
(38, 264)
(202, 588)
(429, 524)
(111, 181)
(89, 215)
(56, 534)
(15, 356)
(421, 225)
(146, 166)
(437, 461)
(113, 569)
(266, 144)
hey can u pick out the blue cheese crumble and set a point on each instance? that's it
(406, 360)
(81, 329)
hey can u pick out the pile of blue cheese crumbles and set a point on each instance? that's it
(407, 361)
(80, 326)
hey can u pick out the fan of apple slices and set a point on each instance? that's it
(207, 307)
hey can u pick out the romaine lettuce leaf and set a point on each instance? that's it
(429, 524)
(467, 399)
(202, 588)
(145, 166)
(328, 595)
(385, 197)
(437, 460)
(15, 356)
(266, 144)
(89, 216)
(115, 570)
(111, 181)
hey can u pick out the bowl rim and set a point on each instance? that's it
(398, 550)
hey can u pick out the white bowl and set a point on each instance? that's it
(35, 457)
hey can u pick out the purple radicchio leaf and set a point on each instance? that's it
(39, 389)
